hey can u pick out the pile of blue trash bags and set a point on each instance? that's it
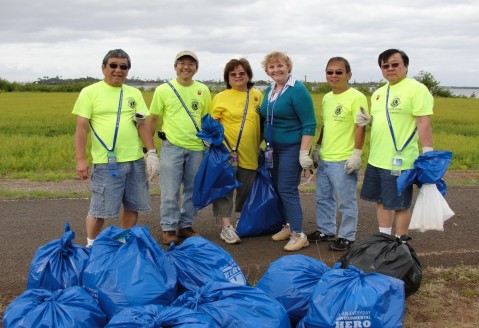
(127, 280)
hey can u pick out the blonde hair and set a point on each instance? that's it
(276, 56)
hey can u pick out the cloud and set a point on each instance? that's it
(55, 38)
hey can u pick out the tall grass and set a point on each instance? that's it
(37, 131)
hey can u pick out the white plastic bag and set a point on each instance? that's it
(430, 210)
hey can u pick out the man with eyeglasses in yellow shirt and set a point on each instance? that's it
(400, 113)
(338, 156)
(115, 113)
(181, 103)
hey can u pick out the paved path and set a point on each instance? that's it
(28, 224)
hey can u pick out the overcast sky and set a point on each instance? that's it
(69, 39)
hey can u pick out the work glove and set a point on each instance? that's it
(354, 161)
(152, 164)
(304, 159)
(426, 149)
(315, 155)
(139, 118)
(363, 118)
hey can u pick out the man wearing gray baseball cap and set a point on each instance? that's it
(181, 103)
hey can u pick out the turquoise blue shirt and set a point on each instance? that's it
(292, 114)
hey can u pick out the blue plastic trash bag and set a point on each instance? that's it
(212, 131)
(428, 168)
(262, 213)
(388, 255)
(215, 178)
(42, 308)
(236, 306)
(351, 298)
(198, 261)
(58, 264)
(128, 268)
(155, 316)
(291, 280)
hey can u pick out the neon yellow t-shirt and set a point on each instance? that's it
(99, 103)
(228, 108)
(339, 118)
(407, 99)
(177, 124)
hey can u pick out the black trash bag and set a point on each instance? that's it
(388, 255)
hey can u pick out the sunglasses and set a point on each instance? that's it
(393, 65)
(122, 67)
(240, 74)
(334, 72)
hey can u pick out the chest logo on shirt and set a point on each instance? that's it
(395, 102)
(199, 92)
(338, 110)
(132, 103)
(195, 105)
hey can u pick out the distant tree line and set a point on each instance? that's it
(58, 84)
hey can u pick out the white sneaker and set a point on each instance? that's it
(229, 235)
(284, 234)
(297, 241)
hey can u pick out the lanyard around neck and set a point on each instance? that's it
(391, 126)
(120, 102)
(269, 121)
(242, 124)
(184, 105)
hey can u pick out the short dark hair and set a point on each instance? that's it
(384, 56)
(116, 53)
(232, 64)
(340, 59)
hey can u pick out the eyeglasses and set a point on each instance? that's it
(115, 66)
(183, 64)
(393, 65)
(334, 72)
(240, 74)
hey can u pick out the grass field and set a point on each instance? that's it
(37, 132)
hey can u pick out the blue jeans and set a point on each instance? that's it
(129, 188)
(286, 176)
(335, 186)
(178, 167)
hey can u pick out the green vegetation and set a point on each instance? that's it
(430, 307)
(430, 82)
(37, 130)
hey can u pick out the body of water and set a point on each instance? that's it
(456, 91)
(467, 92)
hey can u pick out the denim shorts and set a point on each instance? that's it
(129, 188)
(381, 187)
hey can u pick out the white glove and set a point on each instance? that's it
(139, 118)
(152, 164)
(426, 149)
(315, 155)
(363, 118)
(354, 161)
(304, 159)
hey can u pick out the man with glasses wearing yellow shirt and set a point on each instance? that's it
(338, 152)
(400, 113)
(110, 109)
(181, 103)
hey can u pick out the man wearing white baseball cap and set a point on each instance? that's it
(181, 103)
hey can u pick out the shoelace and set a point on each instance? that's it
(229, 232)
(294, 238)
